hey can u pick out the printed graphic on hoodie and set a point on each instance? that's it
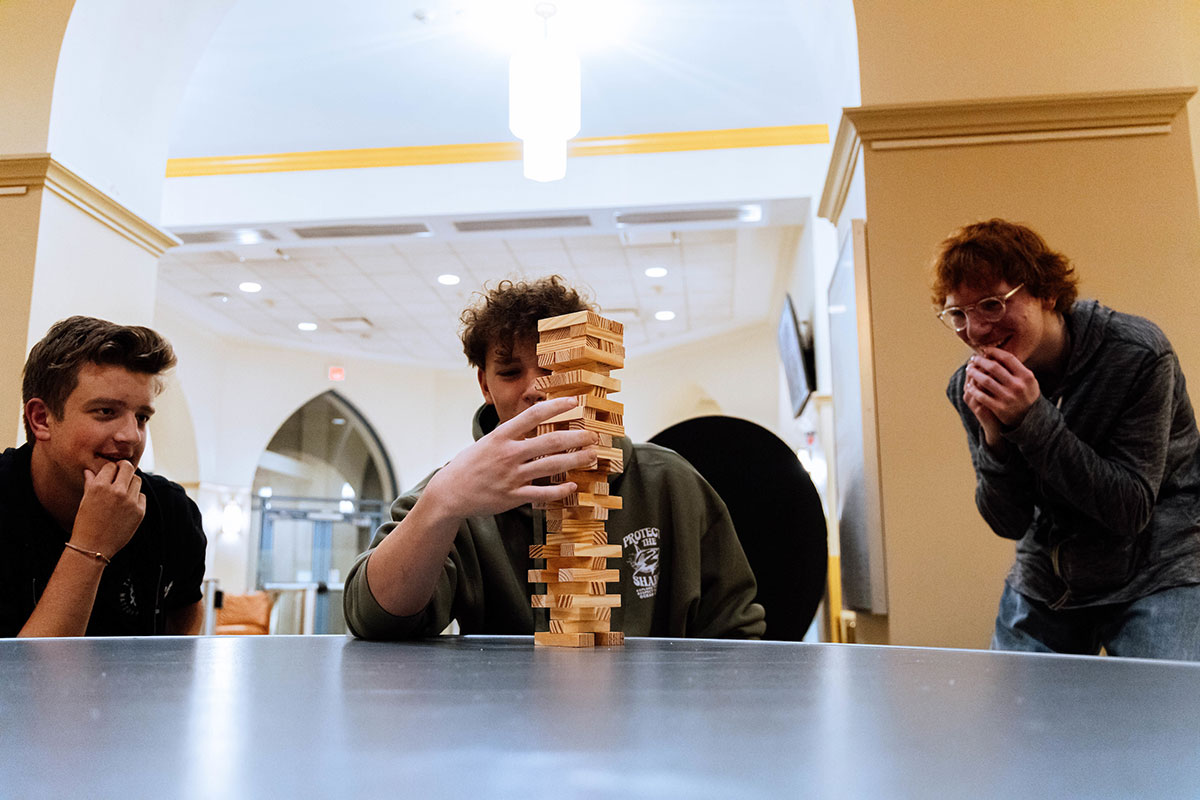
(641, 551)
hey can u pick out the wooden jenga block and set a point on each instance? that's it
(556, 573)
(573, 574)
(581, 613)
(604, 345)
(580, 357)
(577, 330)
(576, 587)
(604, 551)
(575, 601)
(563, 639)
(576, 562)
(595, 554)
(561, 525)
(610, 639)
(579, 626)
(576, 380)
(582, 500)
(577, 537)
(577, 512)
(580, 318)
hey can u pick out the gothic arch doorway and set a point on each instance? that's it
(321, 489)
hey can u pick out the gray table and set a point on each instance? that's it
(494, 717)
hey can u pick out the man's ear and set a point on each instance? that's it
(483, 386)
(37, 414)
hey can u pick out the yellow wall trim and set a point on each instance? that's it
(40, 170)
(426, 155)
(1018, 119)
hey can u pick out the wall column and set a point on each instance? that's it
(1069, 117)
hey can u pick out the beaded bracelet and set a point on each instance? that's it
(94, 554)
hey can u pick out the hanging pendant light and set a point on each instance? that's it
(544, 101)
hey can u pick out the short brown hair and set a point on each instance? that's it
(985, 253)
(52, 369)
(510, 311)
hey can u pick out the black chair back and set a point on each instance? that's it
(774, 506)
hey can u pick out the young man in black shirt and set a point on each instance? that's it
(91, 545)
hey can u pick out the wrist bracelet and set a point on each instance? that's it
(94, 554)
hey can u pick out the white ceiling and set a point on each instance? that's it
(299, 76)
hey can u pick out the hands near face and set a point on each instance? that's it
(999, 391)
(111, 510)
(497, 472)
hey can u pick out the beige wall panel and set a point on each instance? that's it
(919, 50)
(85, 267)
(736, 374)
(31, 33)
(1118, 207)
(19, 216)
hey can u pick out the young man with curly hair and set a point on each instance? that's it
(1084, 445)
(92, 545)
(458, 545)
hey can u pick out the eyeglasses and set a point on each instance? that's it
(989, 310)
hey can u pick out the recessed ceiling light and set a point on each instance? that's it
(307, 326)
(250, 287)
(656, 272)
(664, 316)
(448, 279)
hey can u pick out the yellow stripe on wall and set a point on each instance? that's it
(426, 155)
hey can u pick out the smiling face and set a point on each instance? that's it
(1030, 328)
(507, 379)
(104, 419)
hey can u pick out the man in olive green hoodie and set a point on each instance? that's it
(458, 545)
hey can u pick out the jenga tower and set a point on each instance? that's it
(580, 350)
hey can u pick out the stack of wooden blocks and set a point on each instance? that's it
(580, 350)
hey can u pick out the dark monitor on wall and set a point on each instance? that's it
(798, 357)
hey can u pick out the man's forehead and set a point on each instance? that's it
(508, 352)
(966, 293)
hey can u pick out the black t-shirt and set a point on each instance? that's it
(158, 571)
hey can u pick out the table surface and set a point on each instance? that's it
(307, 716)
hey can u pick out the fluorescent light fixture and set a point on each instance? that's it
(250, 287)
(750, 213)
(307, 326)
(248, 237)
(664, 316)
(448, 279)
(656, 272)
(543, 100)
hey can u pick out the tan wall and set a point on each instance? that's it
(919, 50)
(1125, 209)
(31, 33)
(19, 216)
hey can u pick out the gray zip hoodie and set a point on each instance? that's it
(1101, 487)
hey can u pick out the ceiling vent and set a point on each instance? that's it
(346, 231)
(236, 236)
(736, 214)
(351, 324)
(522, 223)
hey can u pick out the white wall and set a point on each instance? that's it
(735, 374)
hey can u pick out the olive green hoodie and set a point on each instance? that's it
(683, 573)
